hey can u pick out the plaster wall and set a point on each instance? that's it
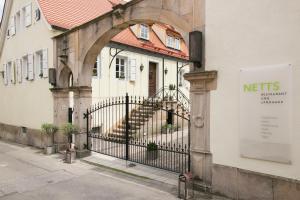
(29, 103)
(107, 85)
(241, 34)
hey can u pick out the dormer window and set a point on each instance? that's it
(173, 42)
(144, 32)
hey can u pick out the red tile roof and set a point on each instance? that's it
(68, 14)
(154, 44)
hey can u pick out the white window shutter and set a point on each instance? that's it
(5, 74)
(28, 15)
(30, 67)
(13, 25)
(45, 63)
(13, 73)
(132, 67)
(19, 70)
(25, 68)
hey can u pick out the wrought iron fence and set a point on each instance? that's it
(147, 131)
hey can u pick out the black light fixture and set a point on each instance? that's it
(141, 67)
(196, 49)
(166, 71)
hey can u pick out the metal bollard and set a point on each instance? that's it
(187, 179)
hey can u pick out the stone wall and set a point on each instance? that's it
(242, 184)
(32, 137)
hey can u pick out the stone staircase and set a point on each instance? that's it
(137, 119)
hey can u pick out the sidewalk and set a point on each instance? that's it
(27, 174)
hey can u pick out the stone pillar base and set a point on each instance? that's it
(201, 158)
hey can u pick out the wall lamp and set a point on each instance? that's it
(141, 67)
(166, 71)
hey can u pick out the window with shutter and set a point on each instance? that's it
(45, 63)
(132, 67)
(25, 67)
(28, 15)
(19, 70)
(5, 74)
(120, 68)
(8, 72)
(13, 26)
(30, 67)
(13, 73)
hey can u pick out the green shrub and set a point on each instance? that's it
(69, 129)
(152, 146)
(49, 129)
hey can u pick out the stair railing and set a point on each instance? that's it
(167, 94)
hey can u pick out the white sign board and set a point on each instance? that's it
(265, 113)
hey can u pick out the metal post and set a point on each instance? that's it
(127, 125)
(177, 81)
(87, 129)
(163, 77)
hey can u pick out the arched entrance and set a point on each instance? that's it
(79, 47)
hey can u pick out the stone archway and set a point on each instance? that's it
(84, 43)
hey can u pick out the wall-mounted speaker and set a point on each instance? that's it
(196, 47)
(52, 76)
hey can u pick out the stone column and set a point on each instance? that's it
(61, 105)
(82, 101)
(201, 158)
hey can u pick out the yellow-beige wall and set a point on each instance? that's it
(29, 103)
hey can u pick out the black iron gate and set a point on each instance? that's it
(153, 132)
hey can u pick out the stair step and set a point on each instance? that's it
(132, 127)
(118, 135)
(119, 130)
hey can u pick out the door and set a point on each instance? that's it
(152, 79)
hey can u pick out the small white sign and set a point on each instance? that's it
(265, 113)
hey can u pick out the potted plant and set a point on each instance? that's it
(152, 151)
(70, 131)
(172, 87)
(169, 128)
(49, 130)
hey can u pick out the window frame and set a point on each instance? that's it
(118, 65)
(144, 31)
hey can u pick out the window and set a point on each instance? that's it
(39, 63)
(8, 72)
(144, 32)
(120, 68)
(41, 60)
(30, 67)
(177, 43)
(173, 42)
(37, 14)
(28, 15)
(19, 70)
(97, 68)
(18, 21)
(12, 29)
(25, 67)
(5, 74)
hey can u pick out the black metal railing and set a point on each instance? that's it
(141, 130)
(174, 94)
